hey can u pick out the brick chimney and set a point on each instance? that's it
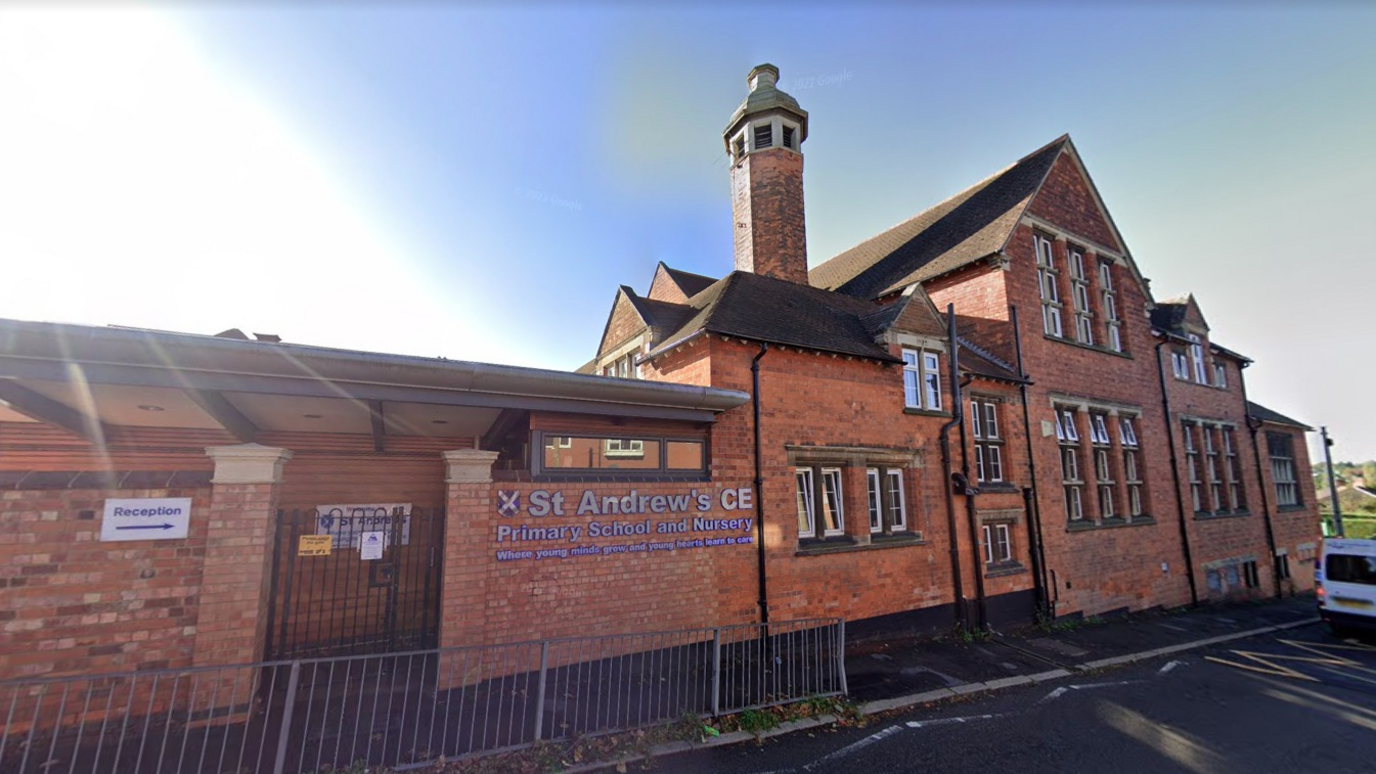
(764, 140)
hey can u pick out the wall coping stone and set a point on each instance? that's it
(248, 463)
(469, 466)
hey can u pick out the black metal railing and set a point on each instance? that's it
(409, 709)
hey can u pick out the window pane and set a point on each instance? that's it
(872, 478)
(910, 395)
(897, 517)
(685, 455)
(932, 375)
(988, 544)
(995, 466)
(833, 520)
(803, 486)
(584, 453)
(991, 423)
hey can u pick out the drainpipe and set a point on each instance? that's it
(1037, 550)
(1175, 473)
(1253, 425)
(759, 487)
(970, 515)
(945, 436)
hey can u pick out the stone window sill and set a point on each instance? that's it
(1207, 516)
(1089, 526)
(999, 487)
(1090, 347)
(848, 545)
(917, 412)
(1002, 569)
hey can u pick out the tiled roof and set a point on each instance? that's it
(659, 314)
(1258, 411)
(691, 284)
(980, 361)
(971, 225)
(766, 309)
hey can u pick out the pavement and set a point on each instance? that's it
(893, 674)
(898, 673)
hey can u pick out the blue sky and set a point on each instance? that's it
(473, 181)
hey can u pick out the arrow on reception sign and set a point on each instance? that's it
(148, 518)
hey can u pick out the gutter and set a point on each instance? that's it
(760, 568)
(948, 482)
(970, 515)
(1253, 425)
(46, 350)
(1037, 549)
(1175, 474)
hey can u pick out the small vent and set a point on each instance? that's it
(788, 138)
(764, 136)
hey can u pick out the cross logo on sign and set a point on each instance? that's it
(508, 502)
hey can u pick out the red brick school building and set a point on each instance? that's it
(980, 417)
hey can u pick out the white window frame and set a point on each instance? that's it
(1079, 297)
(1047, 278)
(834, 474)
(1127, 432)
(998, 543)
(1071, 477)
(624, 447)
(892, 497)
(988, 444)
(1197, 357)
(1283, 469)
(1233, 470)
(1180, 364)
(1220, 375)
(1110, 304)
(1132, 472)
(804, 492)
(1098, 429)
(921, 379)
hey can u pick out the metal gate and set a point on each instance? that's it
(353, 583)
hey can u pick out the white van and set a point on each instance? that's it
(1346, 584)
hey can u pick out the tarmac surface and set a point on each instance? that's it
(1240, 687)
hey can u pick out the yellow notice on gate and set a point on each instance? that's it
(314, 545)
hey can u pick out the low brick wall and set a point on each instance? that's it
(74, 604)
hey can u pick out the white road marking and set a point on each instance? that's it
(948, 721)
(1169, 666)
(1054, 695)
(1104, 685)
(851, 748)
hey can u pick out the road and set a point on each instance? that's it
(1297, 701)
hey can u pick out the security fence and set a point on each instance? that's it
(405, 710)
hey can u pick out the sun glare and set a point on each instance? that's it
(143, 185)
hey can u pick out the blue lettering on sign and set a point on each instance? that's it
(653, 534)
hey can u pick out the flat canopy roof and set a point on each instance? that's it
(81, 377)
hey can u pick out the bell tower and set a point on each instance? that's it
(765, 139)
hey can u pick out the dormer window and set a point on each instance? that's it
(764, 136)
(788, 137)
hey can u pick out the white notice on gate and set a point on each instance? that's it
(371, 545)
(346, 524)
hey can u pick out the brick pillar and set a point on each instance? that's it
(469, 511)
(238, 553)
